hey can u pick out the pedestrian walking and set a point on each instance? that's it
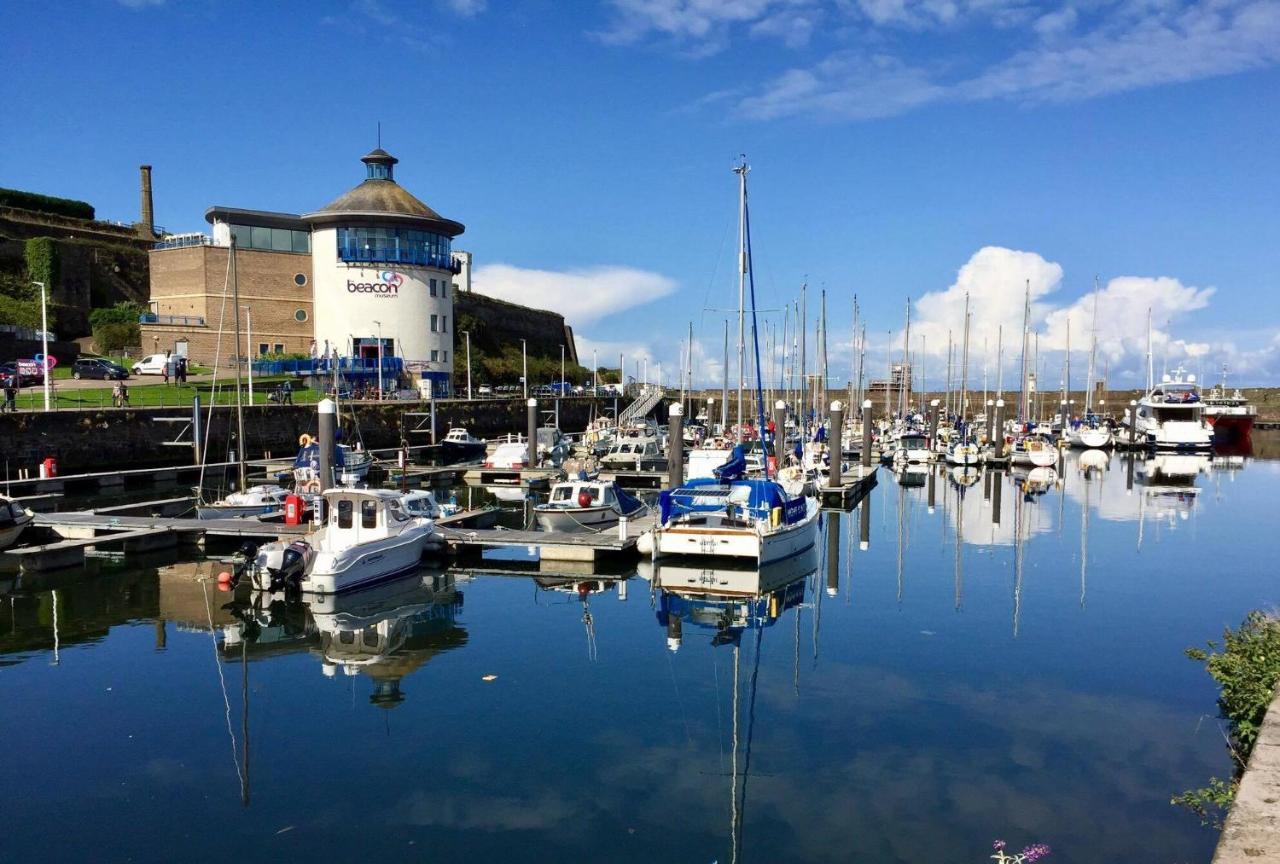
(10, 397)
(286, 392)
(117, 396)
(165, 370)
(182, 370)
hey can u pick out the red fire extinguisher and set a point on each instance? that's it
(292, 510)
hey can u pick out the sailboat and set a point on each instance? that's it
(1089, 431)
(261, 500)
(730, 514)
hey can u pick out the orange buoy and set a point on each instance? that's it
(224, 578)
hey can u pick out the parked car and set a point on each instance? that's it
(484, 390)
(98, 367)
(153, 364)
(26, 373)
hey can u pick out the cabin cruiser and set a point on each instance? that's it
(354, 465)
(585, 505)
(368, 537)
(912, 449)
(639, 453)
(512, 453)
(963, 451)
(732, 516)
(1230, 416)
(422, 504)
(264, 500)
(1171, 416)
(459, 445)
(14, 519)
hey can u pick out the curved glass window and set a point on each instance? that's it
(395, 246)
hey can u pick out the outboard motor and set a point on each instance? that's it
(241, 560)
(292, 568)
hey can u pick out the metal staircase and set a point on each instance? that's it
(639, 409)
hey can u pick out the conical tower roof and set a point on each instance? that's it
(381, 199)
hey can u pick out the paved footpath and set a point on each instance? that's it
(1252, 833)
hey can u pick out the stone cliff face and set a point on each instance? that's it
(496, 324)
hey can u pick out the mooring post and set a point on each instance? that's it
(933, 423)
(1133, 424)
(866, 433)
(433, 417)
(532, 455)
(675, 445)
(328, 411)
(864, 518)
(933, 487)
(991, 419)
(833, 553)
(834, 480)
(997, 483)
(999, 428)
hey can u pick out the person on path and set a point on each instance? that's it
(165, 370)
(10, 397)
(286, 392)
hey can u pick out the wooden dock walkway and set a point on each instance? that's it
(586, 546)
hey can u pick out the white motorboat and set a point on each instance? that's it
(639, 454)
(354, 466)
(585, 505)
(1171, 416)
(14, 519)
(459, 445)
(512, 453)
(367, 538)
(963, 452)
(913, 449)
(264, 500)
(422, 504)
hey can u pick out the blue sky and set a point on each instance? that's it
(899, 148)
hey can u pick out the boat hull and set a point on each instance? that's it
(236, 511)
(1088, 438)
(453, 452)
(10, 533)
(334, 573)
(575, 520)
(1230, 428)
(764, 548)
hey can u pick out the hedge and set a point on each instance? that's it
(43, 264)
(46, 204)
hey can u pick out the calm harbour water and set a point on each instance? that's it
(956, 681)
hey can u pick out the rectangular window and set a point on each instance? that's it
(434, 322)
(281, 240)
(435, 355)
(433, 287)
(259, 238)
(368, 514)
(301, 241)
(279, 348)
(444, 288)
(241, 235)
(444, 323)
(262, 348)
(343, 514)
(444, 356)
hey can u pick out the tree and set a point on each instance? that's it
(116, 327)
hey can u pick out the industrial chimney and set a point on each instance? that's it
(147, 222)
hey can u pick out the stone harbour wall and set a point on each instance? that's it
(92, 441)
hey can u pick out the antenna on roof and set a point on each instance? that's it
(379, 134)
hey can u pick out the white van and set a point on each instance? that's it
(153, 364)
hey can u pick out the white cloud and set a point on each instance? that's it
(706, 23)
(140, 4)
(467, 8)
(584, 295)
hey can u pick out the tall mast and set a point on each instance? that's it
(1024, 405)
(906, 363)
(1066, 376)
(1000, 362)
(853, 356)
(1151, 374)
(825, 368)
(964, 363)
(949, 352)
(862, 360)
(1093, 352)
(688, 370)
(235, 299)
(802, 379)
(888, 368)
(924, 358)
(741, 170)
(724, 395)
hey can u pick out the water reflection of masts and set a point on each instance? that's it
(738, 797)
(1084, 538)
(1017, 561)
(902, 509)
(959, 542)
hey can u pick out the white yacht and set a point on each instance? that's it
(639, 453)
(264, 500)
(422, 504)
(368, 537)
(459, 445)
(585, 505)
(1171, 416)
(912, 449)
(963, 452)
(1035, 450)
(1089, 434)
(14, 519)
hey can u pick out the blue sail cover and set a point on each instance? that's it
(309, 457)
(707, 495)
(733, 469)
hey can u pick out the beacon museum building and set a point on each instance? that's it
(370, 275)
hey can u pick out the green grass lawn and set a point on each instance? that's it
(158, 395)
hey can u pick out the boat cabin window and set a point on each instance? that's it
(342, 513)
(370, 635)
(399, 515)
(564, 493)
(368, 514)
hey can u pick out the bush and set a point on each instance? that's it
(43, 264)
(21, 313)
(114, 336)
(46, 204)
(1247, 668)
(121, 313)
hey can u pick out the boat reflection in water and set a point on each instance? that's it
(584, 589)
(387, 632)
(724, 596)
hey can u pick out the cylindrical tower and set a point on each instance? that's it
(382, 269)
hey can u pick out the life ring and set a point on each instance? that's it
(304, 440)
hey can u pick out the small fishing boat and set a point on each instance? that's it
(963, 451)
(512, 453)
(1089, 434)
(422, 504)
(1034, 451)
(912, 449)
(639, 453)
(585, 505)
(14, 519)
(264, 500)
(368, 538)
(459, 445)
(354, 465)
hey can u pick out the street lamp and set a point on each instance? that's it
(379, 323)
(562, 388)
(467, 333)
(595, 371)
(44, 343)
(524, 367)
